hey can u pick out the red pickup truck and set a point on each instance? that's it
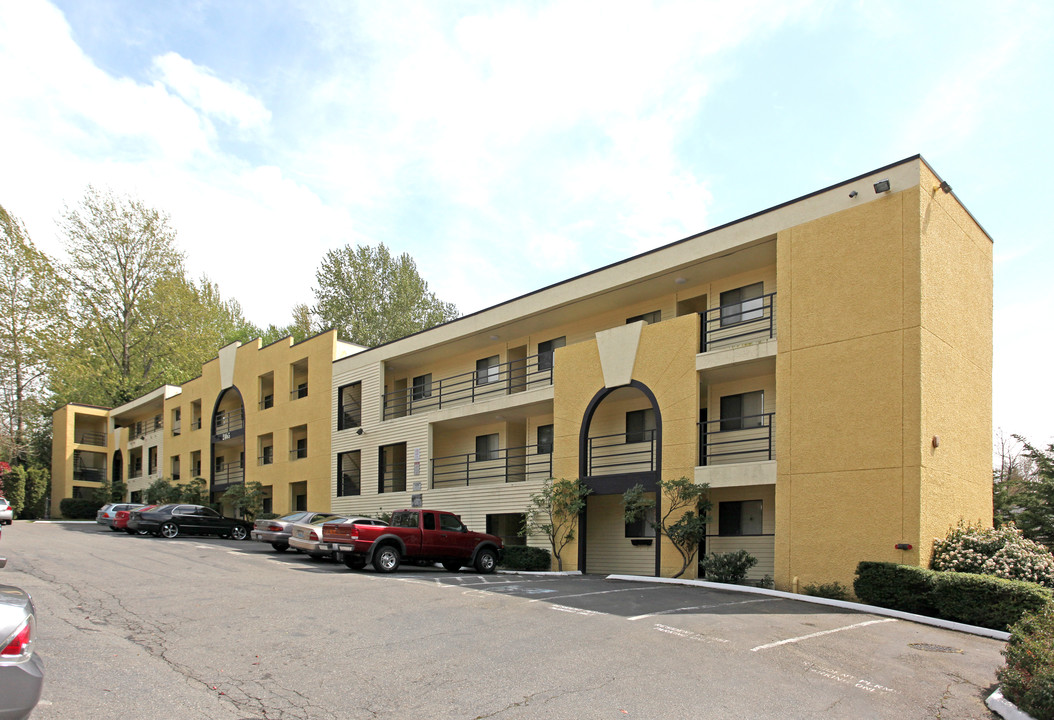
(428, 535)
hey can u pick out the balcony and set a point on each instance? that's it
(507, 465)
(736, 440)
(741, 323)
(621, 454)
(85, 437)
(89, 474)
(473, 386)
(228, 424)
(226, 475)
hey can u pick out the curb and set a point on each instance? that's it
(560, 573)
(844, 604)
(1003, 707)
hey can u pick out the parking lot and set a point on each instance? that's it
(225, 629)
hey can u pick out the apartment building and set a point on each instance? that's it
(823, 365)
(256, 413)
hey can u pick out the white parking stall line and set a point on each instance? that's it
(818, 634)
(603, 592)
(575, 611)
(698, 607)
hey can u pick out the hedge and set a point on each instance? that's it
(1028, 678)
(77, 509)
(522, 557)
(982, 600)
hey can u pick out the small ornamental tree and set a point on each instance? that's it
(247, 499)
(161, 492)
(194, 492)
(1004, 552)
(553, 512)
(685, 513)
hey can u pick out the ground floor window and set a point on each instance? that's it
(507, 526)
(740, 517)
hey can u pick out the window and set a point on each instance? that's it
(487, 370)
(265, 443)
(392, 468)
(486, 447)
(545, 439)
(641, 527)
(349, 415)
(743, 411)
(266, 390)
(301, 448)
(640, 425)
(175, 422)
(429, 521)
(651, 317)
(152, 460)
(546, 350)
(298, 379)
(742, 304)
(195, 415)
(404, 519)
(450, 524)
(422, 387)
(742, 517)
(268, 455)
(175, 467)
(298, 442)
(195, 463)
(349, 473)
(507, 526)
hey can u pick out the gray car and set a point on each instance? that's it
(108, 513)
(7, 515)
(276, 531)
(21, 671)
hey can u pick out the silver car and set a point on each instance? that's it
(276, 530)
(307, 537)
(21, 671)
(108, 513)
(7, 515)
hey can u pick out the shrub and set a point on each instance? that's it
(522, 557)
(899, 587)
(985, 600)
(77, 509)
(729, 567)
(1004, 552)
(1028, 678)
(832, 590)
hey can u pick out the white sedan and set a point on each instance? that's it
(307, 537)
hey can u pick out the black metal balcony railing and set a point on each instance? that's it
(298, 453)
(195, 424)
(143, 427)
(349, 484)
(507, 465)
(392, 478)
(747, 321)
(468, 387)
(265, 459)
(621, 453)
(228, 422)
(736, 440)
(176, 428)
(267, 402)
(229, 474)
(89, 474)
(299, 392)
(86, 437)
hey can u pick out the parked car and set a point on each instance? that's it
(417, 535)
(276, 531)
(171, 521)
(21, 671)
(307, 537)
(120, 519)
(107, 513)
(7, 515)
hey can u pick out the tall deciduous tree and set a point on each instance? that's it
(1035, 498)
(31, 306)
(372, 297)
(123, 266)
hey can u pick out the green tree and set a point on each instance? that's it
(160, 492)
(13, 487)
(302, 327)
(1035, 496)
(195, 491)
(124, 269)
(553, 512)
(371, 297)
(245, 498)
(38, 483)
(684, 514)
(31, 310)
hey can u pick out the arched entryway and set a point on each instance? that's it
(620, 446)
(228, 443)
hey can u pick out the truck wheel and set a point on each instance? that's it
(170, 530)
(452, 566)
(354, 562)
(386, 560)
(486, 561)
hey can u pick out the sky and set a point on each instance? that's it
(509, 145)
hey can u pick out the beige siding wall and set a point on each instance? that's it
(608, 550)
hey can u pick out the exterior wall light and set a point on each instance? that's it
(881, 186)
(360, 431)
(936, 441)
(853, 194)
(903, 546)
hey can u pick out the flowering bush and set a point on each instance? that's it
(1004, 552)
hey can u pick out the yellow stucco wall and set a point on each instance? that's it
(875, 359)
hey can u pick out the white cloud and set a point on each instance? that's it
(202, 90)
